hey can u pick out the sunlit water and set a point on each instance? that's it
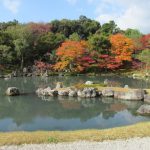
(29, 112)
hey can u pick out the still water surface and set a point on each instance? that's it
(30, 112)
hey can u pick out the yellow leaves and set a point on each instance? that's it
(61, 65)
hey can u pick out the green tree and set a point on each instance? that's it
(47, 43)
(99, 43)
(22, 43)
(109, 28)
(6, 52)
(74, 37)
(144, 56)
(133, 33)
(5, 25)
(87, 27)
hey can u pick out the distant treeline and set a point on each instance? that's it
(82, 45)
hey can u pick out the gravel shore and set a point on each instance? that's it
(130, 144)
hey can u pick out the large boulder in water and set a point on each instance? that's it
(144, 110)
(46, 92)
(88, 93)
(130, 94)
(108, 92)
(147, 98)
(12, 91)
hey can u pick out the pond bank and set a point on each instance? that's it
(40, 137)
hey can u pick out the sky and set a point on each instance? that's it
(126, 13)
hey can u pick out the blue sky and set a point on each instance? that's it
(46, 10)
(126, 13)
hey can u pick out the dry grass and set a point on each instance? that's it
(148, 91)
(102, 87)
(17, 138)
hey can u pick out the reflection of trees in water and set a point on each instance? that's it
(26, 109)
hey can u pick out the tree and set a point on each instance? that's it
(68, 54)
(4, 54)
(21, 45)
(5, 25)
(83, 27)
(136, 36)
(133, 33)
(47, 43)
(21, 38)
(144, 56)
(39, 28)
(121, 47)
(109, 28)
(99, 43)
(145, 40)
(74, 37)
(87, 27)
(6, 51)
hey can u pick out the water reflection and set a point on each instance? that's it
(30, 112)
(25, 113)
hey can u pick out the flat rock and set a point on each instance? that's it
(147, 98)
(144, 110)
(130, 95)
(108, 93)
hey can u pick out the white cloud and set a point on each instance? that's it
(126, 13)
(12, 5)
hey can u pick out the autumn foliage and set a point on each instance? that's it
(145, 40)
(79, 46)
(75, 56)
(68, 55)
(42, 65)
(122, 47)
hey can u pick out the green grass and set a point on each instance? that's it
(17, 138)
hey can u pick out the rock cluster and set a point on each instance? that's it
(12, 91)
(90, 92)
(72, 92)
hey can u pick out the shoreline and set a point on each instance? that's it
(139, 130)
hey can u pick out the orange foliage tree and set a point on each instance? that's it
(121, 47)
(68, 55)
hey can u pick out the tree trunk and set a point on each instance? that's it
(70, 67)
(22, 62)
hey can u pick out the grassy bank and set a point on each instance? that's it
(17, 138)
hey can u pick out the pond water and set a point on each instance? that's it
(29, 112)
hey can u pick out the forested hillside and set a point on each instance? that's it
(82, 45)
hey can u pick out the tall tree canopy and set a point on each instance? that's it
(68, 54)
(122, 47)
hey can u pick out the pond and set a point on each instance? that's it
(29, 112)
